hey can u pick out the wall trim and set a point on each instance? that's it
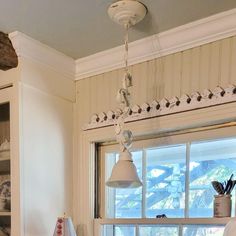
(29, 48)
(184, 37)
(196, 100)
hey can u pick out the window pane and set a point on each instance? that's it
(158, 230)
(118, 230)
(107, 230)
(215, 160)
(124, 230)
(166, 181)
(203, 230)
(127, 202)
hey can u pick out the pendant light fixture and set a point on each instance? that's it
(124, 173)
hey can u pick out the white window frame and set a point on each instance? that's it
(179, 222)
(186, 139)
(84, 197)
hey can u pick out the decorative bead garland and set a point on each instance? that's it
(59, 227)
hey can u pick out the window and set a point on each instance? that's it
(176, 180)
(203, 230)
(162, 230)
(176, 172)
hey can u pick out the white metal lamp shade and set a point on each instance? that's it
(64, 227)
(230, 228)
(124, 173)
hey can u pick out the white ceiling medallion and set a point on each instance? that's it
(127, 11)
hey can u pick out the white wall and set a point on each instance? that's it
(49, 80)
(45, 103)
(46, 146)
(46, 160)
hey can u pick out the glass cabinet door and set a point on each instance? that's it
(5, 170)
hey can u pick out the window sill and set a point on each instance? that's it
(165, 221)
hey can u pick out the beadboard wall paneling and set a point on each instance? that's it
(195, 69)
(186, 71)
(214, 70)
(233, 60)
(225, 61)
(151, 80)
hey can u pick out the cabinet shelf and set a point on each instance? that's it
(5, 159)
(5, 213)
(4, 166)
(4, 155)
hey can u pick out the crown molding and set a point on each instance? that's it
(187, 36)
(27, 47)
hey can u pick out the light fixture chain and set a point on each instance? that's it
(124, 137)
(126, 56)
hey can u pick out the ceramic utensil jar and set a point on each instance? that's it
(222, 205)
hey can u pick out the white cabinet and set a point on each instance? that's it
(9, 160)
(5, 169)
(39, 126)
(41, 93)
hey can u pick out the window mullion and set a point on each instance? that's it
(136, 230)
(186, 210)
(234, 192)
(180, 233)
(110, 194)
(144, 178)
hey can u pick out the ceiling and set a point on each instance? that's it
(79, 28)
